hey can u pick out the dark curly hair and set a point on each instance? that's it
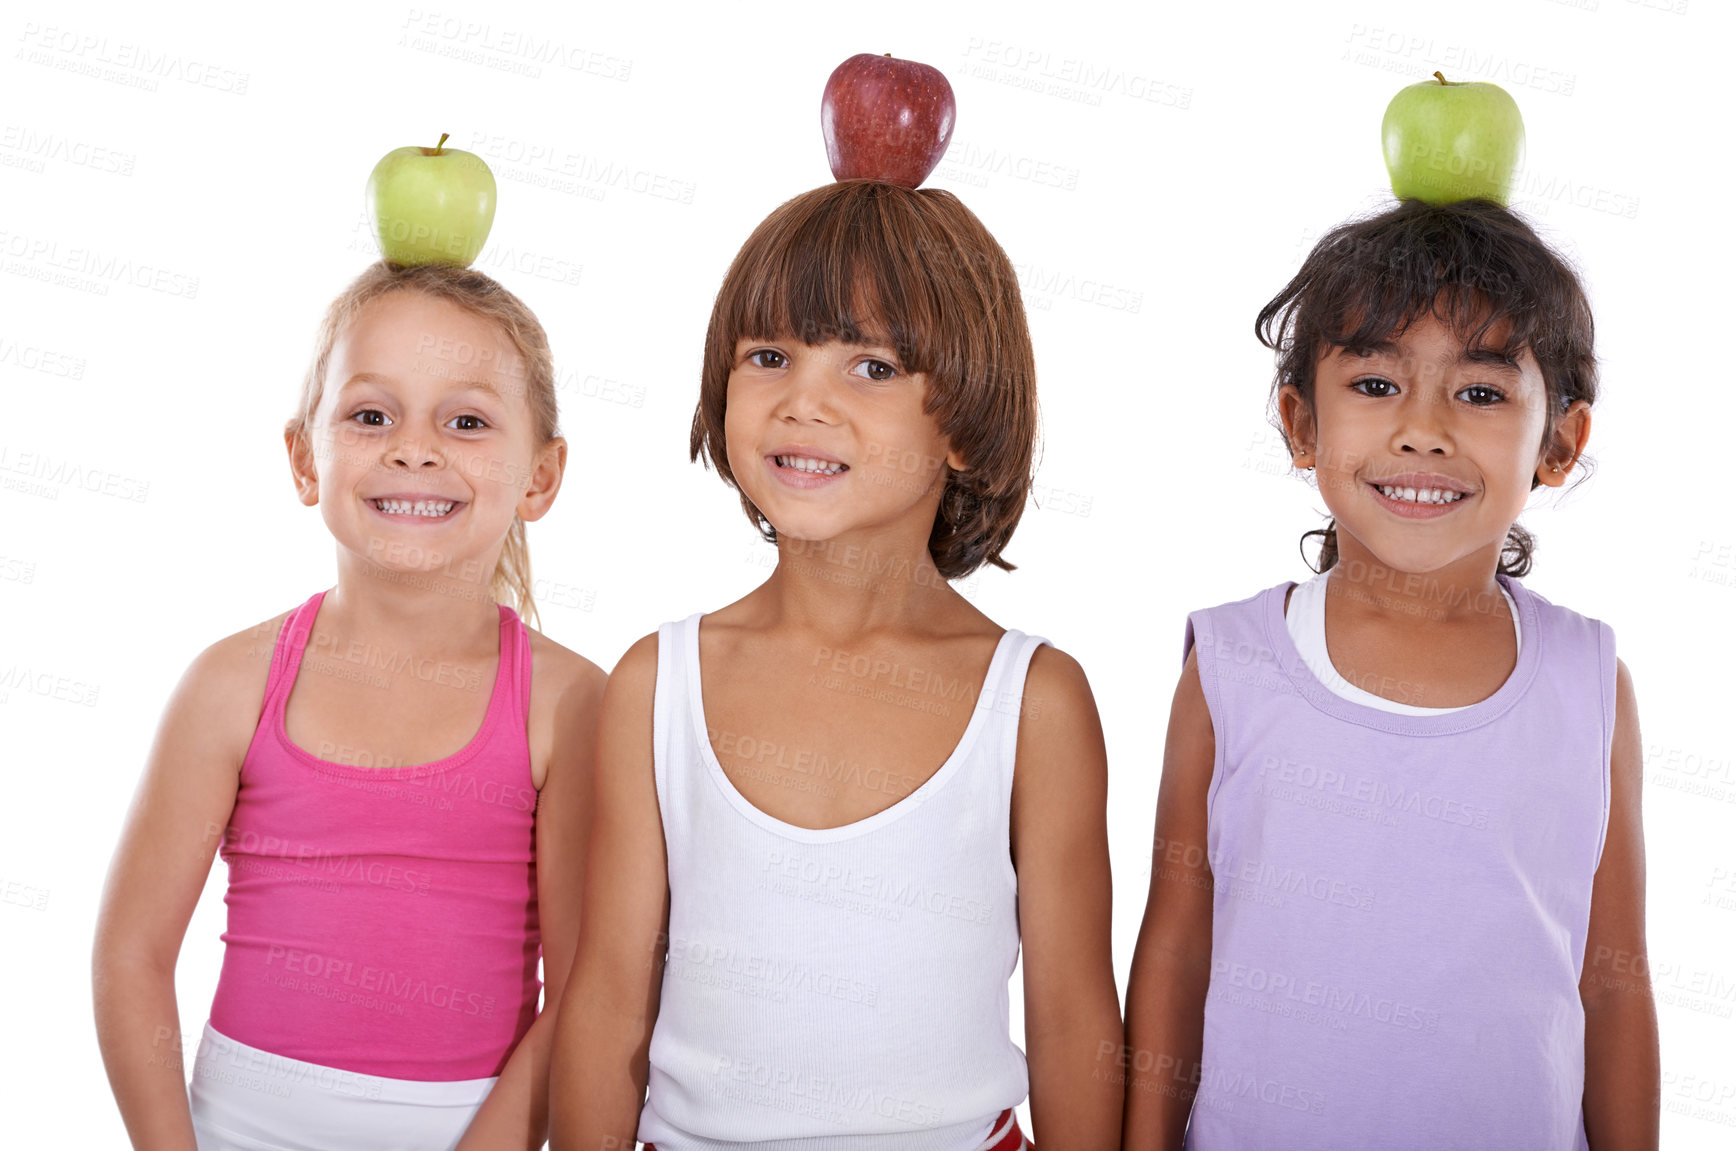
(919, 269)
(1473, 264)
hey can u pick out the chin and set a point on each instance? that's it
(1397, 556)
(1416, 561)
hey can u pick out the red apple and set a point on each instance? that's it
(886, 119)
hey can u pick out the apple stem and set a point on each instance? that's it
(445, 135)
(1438, 76)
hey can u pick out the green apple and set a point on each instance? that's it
(431, 205)
(1447, 141)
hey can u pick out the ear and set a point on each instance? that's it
(544, 481)
(301, 466)
(1298, 424)
(1566, 444)
(955, 460)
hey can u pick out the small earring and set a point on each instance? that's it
(1556, 468)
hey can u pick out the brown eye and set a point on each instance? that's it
(1376, 387)
(878, 370)
(766, 358)
(1481, 395)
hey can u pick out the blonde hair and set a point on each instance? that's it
(481, 296)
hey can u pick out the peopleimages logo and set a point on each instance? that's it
(325, 865)
(884, 890)
(1346, 1003)
(782, 975)
(1377, 793)
(1220, 1084)
(335, 974)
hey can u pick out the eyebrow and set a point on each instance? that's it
(454, 385)
(1489, 358)
(1481, 356)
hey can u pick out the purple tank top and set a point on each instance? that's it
(1401, 902)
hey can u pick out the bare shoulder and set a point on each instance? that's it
(1052, 667)
(559, 672)
(247, 652)
(221, 695)
(566, 692)
(1190, 744)
(584, 705)
(625, 735)
(1060, 734)
(1055, 686)
(236, 667)
(1624, 687)
(1625, 759)
(636, 673)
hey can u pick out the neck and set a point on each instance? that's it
(422, 611)
(1462, 590)
(857, 584)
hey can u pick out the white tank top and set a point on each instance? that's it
(1305, 620)
(842, 989)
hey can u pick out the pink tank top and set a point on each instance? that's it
(383, 920)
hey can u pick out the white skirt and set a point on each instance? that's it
(245, 1099)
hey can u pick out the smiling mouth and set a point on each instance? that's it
(432, 509)
(1418, 495)
(809, 464)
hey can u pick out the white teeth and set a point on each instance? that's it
(806, 464)
(433, 509)
(1421, 495)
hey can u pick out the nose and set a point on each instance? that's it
(1421, 428)
(413, 452)
(806, 395)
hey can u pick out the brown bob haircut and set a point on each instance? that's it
(1472, 264)
(865, 261)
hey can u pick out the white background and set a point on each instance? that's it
(1148, 231)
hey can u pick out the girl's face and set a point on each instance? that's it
(422, 449)
(832, 439)
(1425, 449)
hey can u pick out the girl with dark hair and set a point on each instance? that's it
(1398, 892)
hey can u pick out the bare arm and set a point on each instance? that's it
(173, 830)
(1061, 852)
(566, 703)
(1166, 990)
(602, 1040)
(1621, 1020)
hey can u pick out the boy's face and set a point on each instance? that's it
(1425, 449)
(831, 441)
